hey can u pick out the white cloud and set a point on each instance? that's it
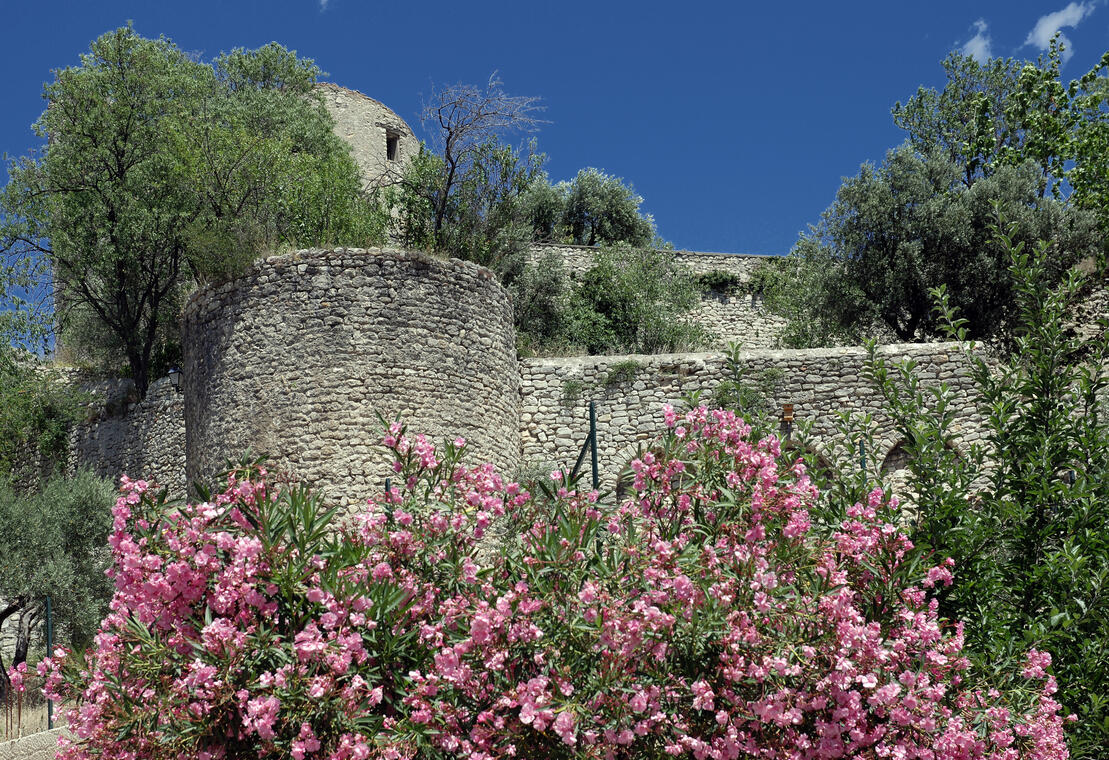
(1048, 25)
(323, 5)
(978, 46)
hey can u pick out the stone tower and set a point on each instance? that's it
(381, 141)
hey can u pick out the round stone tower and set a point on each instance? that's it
(381, 141)
(296, 358)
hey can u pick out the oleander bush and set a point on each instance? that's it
(458, 615)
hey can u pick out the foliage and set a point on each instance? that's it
(500, 200)
(1089, 174)
(599, 209)
(36, 411)
(623, 371)
(539, 300)
(1000, 132)
(1023, 513)
(473, 196)
(54, 543)
(467, 194)
(798, 287)
(898, 230)
(476, 210)
(158, 169)
(968, 120)
(699, 617)
(747, 394)
(572, 390)
(466, 122)
(719, 280)
(631, 302)
(998, 113)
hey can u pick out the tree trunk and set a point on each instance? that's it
(24, 625)
(5, 682)
(140, 370)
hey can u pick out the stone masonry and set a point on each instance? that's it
(381, 142)
(629, 392)
(731, 314)
(143, 439)
(297, 357)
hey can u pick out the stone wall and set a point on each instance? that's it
(40, 746)
(737, 316)
(629, 392)
(731, 314)
(143, 439)
(298, 356)
(577, 259)
(368, 126)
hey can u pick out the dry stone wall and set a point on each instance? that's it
(578, 259)
(629, 392)
(737, 316)
(298, 356)
(40, 746)
(733, 314)
(142, 439)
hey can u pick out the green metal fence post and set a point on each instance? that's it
(593, 443)
(49, 653)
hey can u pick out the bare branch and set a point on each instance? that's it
(462, 116)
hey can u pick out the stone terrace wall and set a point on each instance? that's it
(40, 746)
(142, 439)
(577, 259)
(737, 315)
(819, 382)
(296, 356)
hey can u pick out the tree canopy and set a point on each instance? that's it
(159, 170)
(1002, 137)
(54, 542)
(595, 208)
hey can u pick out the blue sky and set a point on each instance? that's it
(735, 121)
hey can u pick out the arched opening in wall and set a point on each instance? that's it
(392, 144)
(896, 469)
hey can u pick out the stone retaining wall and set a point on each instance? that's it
(143, 439)
(298, 356)
(40, 746)
(578, 259)
(629, 392)
(737, 316)
(731, 314)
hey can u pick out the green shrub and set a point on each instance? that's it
(632, 302)
(719, 280)
(620, 372)
(1023, 514)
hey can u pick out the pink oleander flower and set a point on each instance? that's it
(16, 675)
(702, 614)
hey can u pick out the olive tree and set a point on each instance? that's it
(158, 170)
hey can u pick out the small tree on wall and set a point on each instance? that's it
(463, 121)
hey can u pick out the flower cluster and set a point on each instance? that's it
(462, 616)
(16, 675)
